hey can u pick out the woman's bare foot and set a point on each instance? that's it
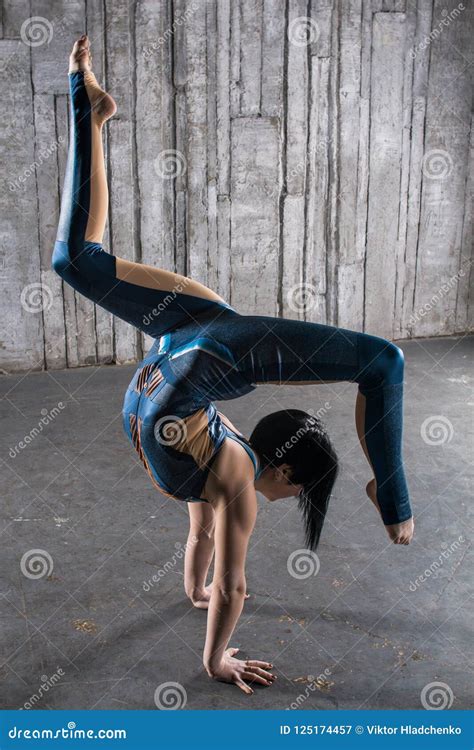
(399, 533)
(201, 599)
(371, 490)
(80, 61)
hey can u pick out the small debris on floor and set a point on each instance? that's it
(327, 616)
(320, 682)
(85, 626)
(323, 684)
(286, 618)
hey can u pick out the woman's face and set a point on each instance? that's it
(275, 483)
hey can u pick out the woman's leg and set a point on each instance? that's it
(288, 351)
(199, 553)
(153, 300)
(360, 407)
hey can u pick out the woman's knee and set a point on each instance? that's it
(202, 533)
(383, 363)
(61, 259)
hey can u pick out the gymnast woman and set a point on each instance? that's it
(204, 351)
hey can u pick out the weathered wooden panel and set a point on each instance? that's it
(296, 297)
(321, 17)
(356, 272)
(15, 13)
(317, 191)
(255, 214)
(420, 55)
(181, 185)
(350, 281)
(333, 198)
(273, 46)
(53, 27)
(122, 156)
(444, 177)
(196, 141)
(223, 242)
(278, 151)
(465, 298)
(250, 56)
(47, 143)
(213, 252)
(156, 161)
(409, 41)
(297, 99)
(23, 298)
(384, 181)
(222, 80)
(180, 72)
(235, 58)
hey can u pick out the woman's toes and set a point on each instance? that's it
(79, 45)
(79, 59)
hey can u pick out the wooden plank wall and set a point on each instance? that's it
(304, 158)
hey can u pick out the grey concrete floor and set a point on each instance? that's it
(365, 632)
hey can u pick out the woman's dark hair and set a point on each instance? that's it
(296, 438)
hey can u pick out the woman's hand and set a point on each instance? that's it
(401, 533)
(236, 671)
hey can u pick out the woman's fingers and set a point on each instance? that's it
(256, 663)
(252, 677)
(262, 673)
(246, 688)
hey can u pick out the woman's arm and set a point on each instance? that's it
(236, 511)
